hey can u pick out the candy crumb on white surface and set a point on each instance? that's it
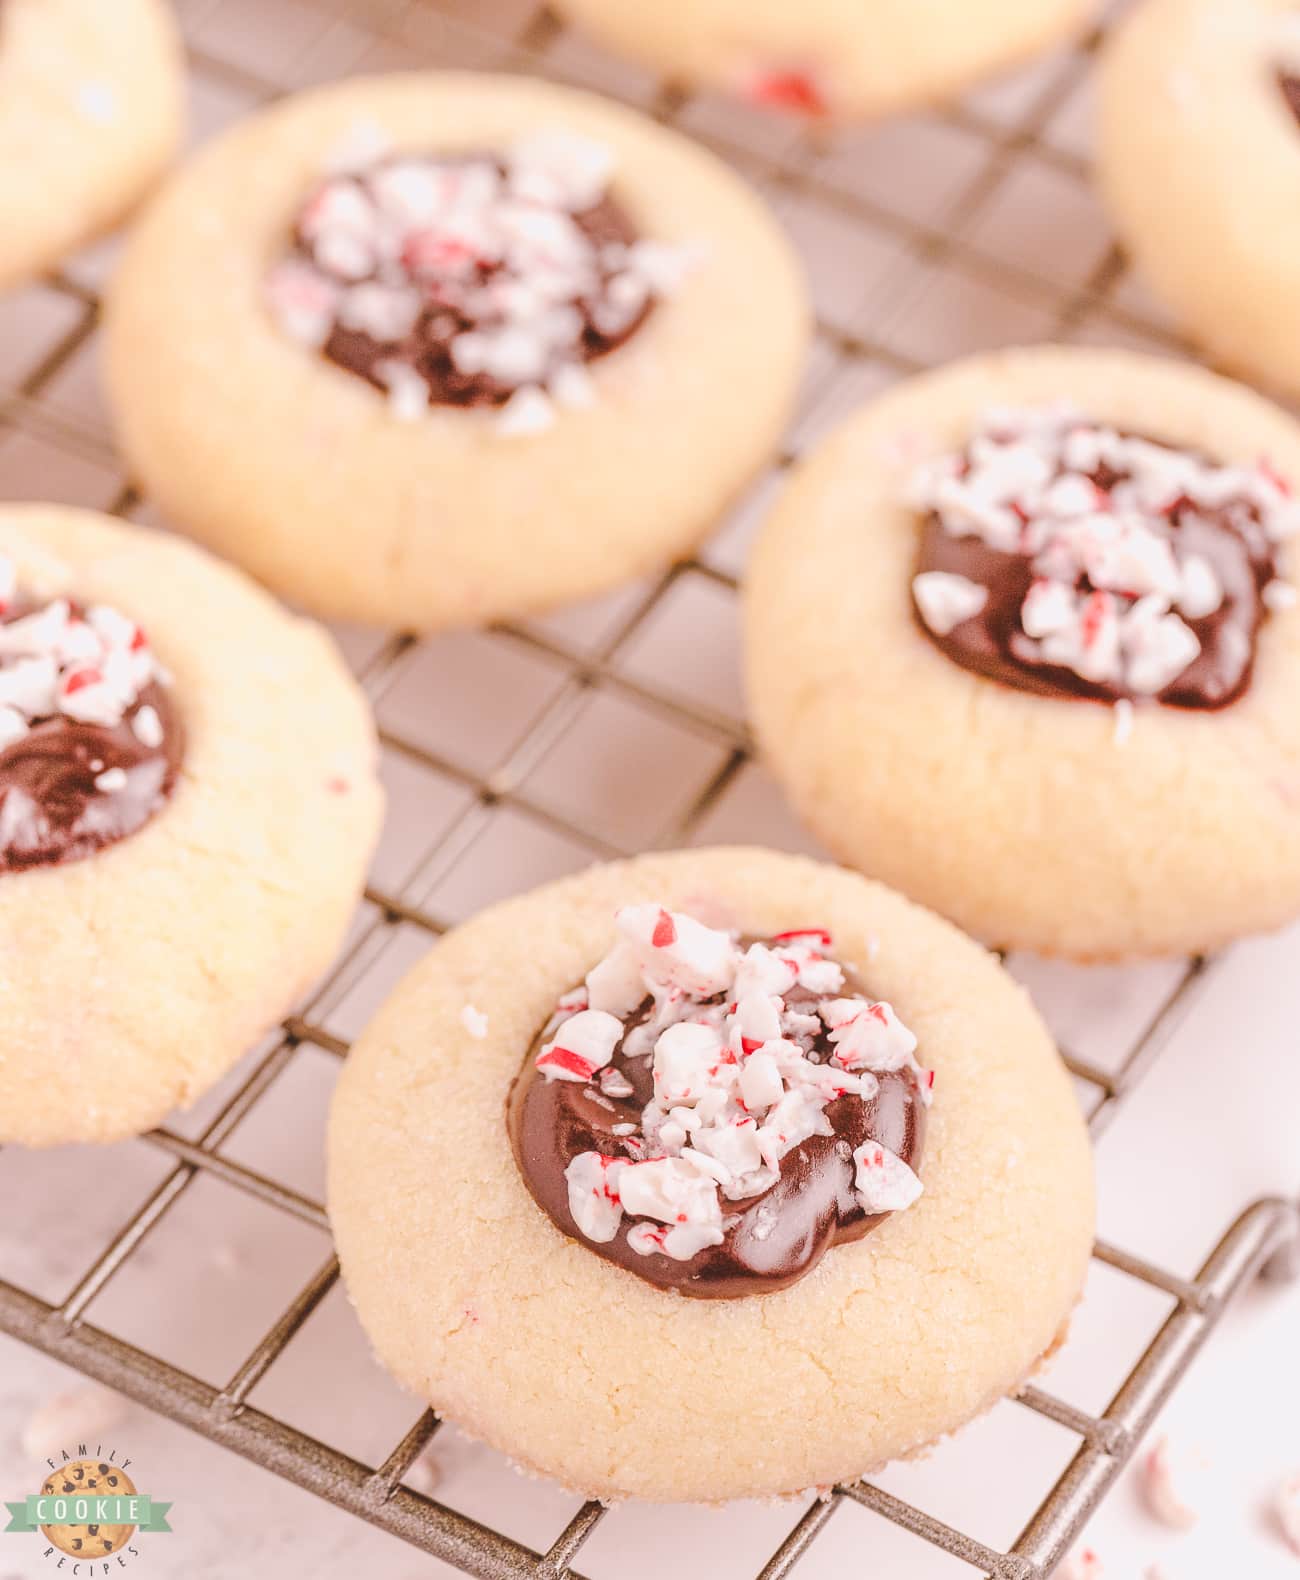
(425, 1474)
(72, 1417)
(1286, 1507)
(1163, 1490)
(1082, 1564)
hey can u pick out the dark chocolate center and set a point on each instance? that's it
(993, 642)
(70, 788)
(455, 294)
(772, 1239)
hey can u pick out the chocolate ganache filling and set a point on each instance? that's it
(90, 739)
(714, 1115)
(1075, 561)
(1289, 83)
(472, 279)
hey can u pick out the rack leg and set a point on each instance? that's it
(1283, 1267)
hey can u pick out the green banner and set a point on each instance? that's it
(54, 1509)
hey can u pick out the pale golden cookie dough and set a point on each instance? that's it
(1199, 162)
(581, 1370)
(134, 978)
(1030, 821)
(297, 468)
(91, 106)
(845, 58)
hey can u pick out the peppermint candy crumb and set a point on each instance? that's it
(472, 278)
(147, 727)
(111, 780)
(528, 412)
(884, 1183)
(1082, 1564)
(474, 1021)
(1112, 526)
(798, 90)
(740, 1076)
(89, 666)
(83, 1413)
(1286, 1507)
(584, 1043)
(946, 600)
(1163, 1491)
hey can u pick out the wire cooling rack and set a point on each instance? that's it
(925, 238)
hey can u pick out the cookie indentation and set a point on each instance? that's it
(90, 738)
(712, 1113)
(1066, 558)
(473, 279)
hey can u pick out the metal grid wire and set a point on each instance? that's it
(1265, 1236)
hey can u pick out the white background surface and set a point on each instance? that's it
(926, 237)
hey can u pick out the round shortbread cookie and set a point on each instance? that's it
(90, 112)
(841, 58)
(426, 515)
(581, 1370)
(1034, 821)
(1198, 160)
(133, 977)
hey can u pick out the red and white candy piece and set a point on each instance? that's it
(584, 1044)
(675, 951)
(867, 1036)
(147, 727)
(1082, 1564)
(796, 89)
(796, 1117)
(739, 1082)
(760, 1082)
(1112, 592)
(593, 1182)
(686, 1057)
(560, 167)
(671, 1190)
(616, 984)
(496, 242)
(1286, 1508)
(883, 1182)
(55, 661)
(1162, 1491)
(947, 600)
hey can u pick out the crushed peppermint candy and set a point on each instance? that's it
(82, 758)
(1082, 1564)
(86, 664)
(473, 279)
(1286, 1506)
(474, 1021)
(1065, 557)
(82, 1414)
(797, 90)
(1164, 1490)
(704, 1062)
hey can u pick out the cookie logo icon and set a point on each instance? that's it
(88, 1478)
(88, 1510)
